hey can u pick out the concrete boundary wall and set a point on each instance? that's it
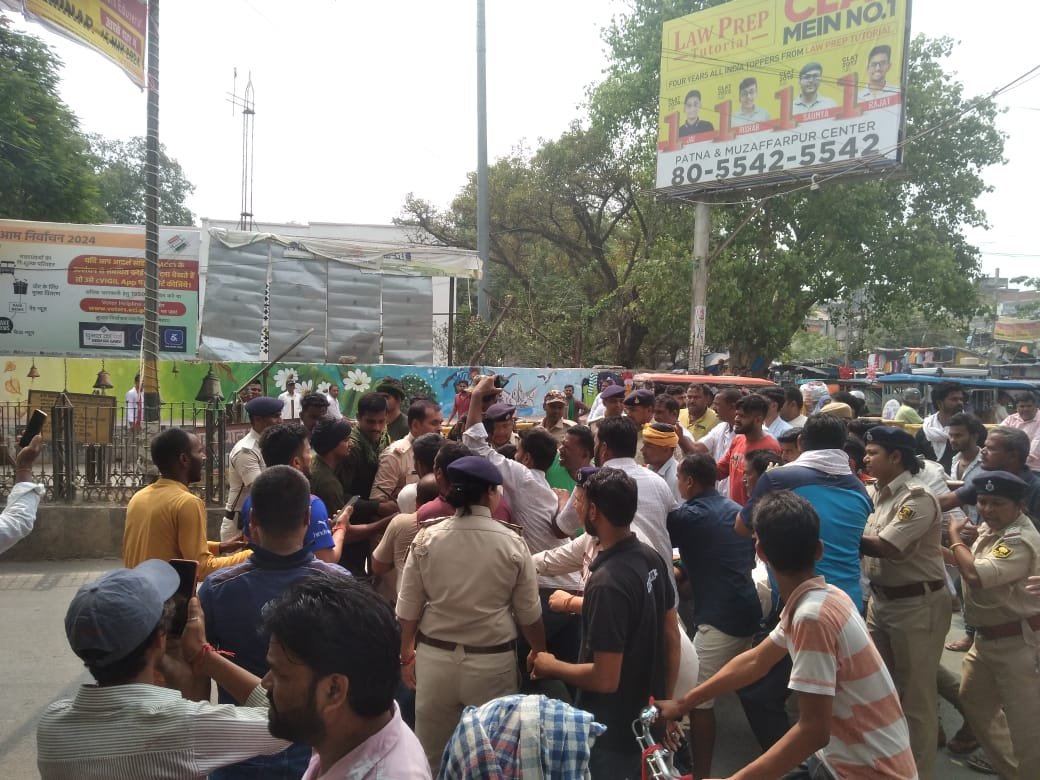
(69, 532)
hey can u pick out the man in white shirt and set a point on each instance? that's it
(774, 422)
(19, 516)
(333, 395)
(616, 449)
(135, 404)
(291, 399)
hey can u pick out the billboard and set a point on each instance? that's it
(79, 289)
(768, 91)
(115, 29)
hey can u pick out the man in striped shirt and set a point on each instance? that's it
(125, 726)
(850, 724)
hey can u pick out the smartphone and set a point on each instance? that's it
(187, 571)
(34, 428)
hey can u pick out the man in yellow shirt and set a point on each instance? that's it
(698, 417)
(165, 520)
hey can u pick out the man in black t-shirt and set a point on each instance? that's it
(630, 631)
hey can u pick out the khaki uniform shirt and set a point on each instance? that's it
(1003, 560)
(559, 430)
(907, 516)
(396, 469)
(466, 577)
(246, 464)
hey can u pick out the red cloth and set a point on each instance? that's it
(462, 404)
(441, 508)
(734, 463)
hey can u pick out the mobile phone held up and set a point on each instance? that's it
(34, 428)
(187, 571)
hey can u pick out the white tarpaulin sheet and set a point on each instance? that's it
(351, 291)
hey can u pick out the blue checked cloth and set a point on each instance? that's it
(517, 736)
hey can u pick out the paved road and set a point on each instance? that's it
(38, 667)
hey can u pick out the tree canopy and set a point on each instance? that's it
(119, 166)
(45, 171)
(591, 256)
(49, 170)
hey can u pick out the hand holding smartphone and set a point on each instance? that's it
(35, 427)
(187, 570)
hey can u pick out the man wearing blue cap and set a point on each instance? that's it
(910, 607)
(639, 406)
(499, 421)
(125, 726)
(612, 403)
(1001, 671)
(246, 462)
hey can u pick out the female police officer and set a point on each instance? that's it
(1002, 669)
(468, 582)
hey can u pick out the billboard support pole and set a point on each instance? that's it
(483, 214)
(150, 336)
(699, 292)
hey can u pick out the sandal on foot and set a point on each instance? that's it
(979, 763)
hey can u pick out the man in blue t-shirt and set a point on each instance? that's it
(718, 565)
(822, 476)
(233, 599)
(288, 444)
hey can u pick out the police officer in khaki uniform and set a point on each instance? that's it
(909, 611)
(469, 581)
(1002, 668)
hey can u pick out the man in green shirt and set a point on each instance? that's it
(907, 412)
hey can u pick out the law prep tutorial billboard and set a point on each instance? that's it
(758, 92)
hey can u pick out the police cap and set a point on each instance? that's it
(614, 391)
(499, 412)
(1002, 484)
(473, 468)
(265, 406)
(891, 438)
(640, 398)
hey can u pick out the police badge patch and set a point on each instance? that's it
(905, 513)
(1001, 551)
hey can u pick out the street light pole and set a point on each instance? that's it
(483, 214)
(150, 336)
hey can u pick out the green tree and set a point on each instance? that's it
(45, 167)
(120, 171)
(806, 346)
(580, 241)
(896, 243)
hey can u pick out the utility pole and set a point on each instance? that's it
(483, 215)
(150, 336)
(699, 292)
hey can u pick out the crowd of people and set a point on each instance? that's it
(381, 593)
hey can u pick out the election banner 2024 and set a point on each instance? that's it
(760, 92)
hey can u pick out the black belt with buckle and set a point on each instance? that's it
(440, 644)
(908, 591)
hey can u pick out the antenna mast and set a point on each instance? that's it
(247, 105)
